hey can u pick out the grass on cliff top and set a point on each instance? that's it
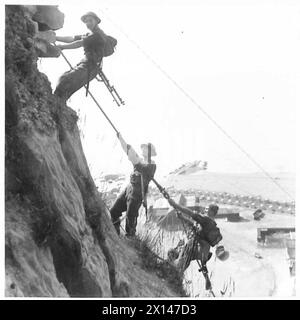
(162, 268)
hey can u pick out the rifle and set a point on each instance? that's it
(118, 100)
(204, 271)
(103, 79)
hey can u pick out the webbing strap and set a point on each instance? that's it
(128, 146)
(88, 81)
(149, 153)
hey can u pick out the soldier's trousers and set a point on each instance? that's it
(131, 206)
(191, 251)
(74, 79)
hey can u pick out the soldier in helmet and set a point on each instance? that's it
(94, 44)
(131, 198)
(203, 234)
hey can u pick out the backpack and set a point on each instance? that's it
(110, 45)
(210, 232)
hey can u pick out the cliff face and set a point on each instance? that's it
(59, 237)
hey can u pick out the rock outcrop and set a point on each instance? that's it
(48, 17)
(59, 237)
(45, 19)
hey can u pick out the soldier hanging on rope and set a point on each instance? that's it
(131, 199)
(96, 45)
(202, 234)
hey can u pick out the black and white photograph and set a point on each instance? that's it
(150, 149)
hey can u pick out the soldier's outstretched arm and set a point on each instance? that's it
(187, 221)
(65, 39)
(132, 155)
(182, 209)
(72, 45)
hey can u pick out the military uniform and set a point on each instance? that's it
(130, 199)
(202, 235)
(87, 68)
(196, 248)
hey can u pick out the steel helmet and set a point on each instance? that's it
(221, 253)
(91, 14)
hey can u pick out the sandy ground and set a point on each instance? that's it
(244, 274)
(253, 184)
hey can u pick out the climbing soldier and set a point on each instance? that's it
(96, 45)
(202, 235)
(131, 199)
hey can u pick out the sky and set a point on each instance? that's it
(239, 60)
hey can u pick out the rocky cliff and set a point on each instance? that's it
(59, 237)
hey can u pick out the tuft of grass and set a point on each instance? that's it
(162, 268)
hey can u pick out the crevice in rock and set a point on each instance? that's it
(70, 269)
(43, 26)
(109, 259)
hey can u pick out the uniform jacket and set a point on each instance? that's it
(140, 171)
(93, 44)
